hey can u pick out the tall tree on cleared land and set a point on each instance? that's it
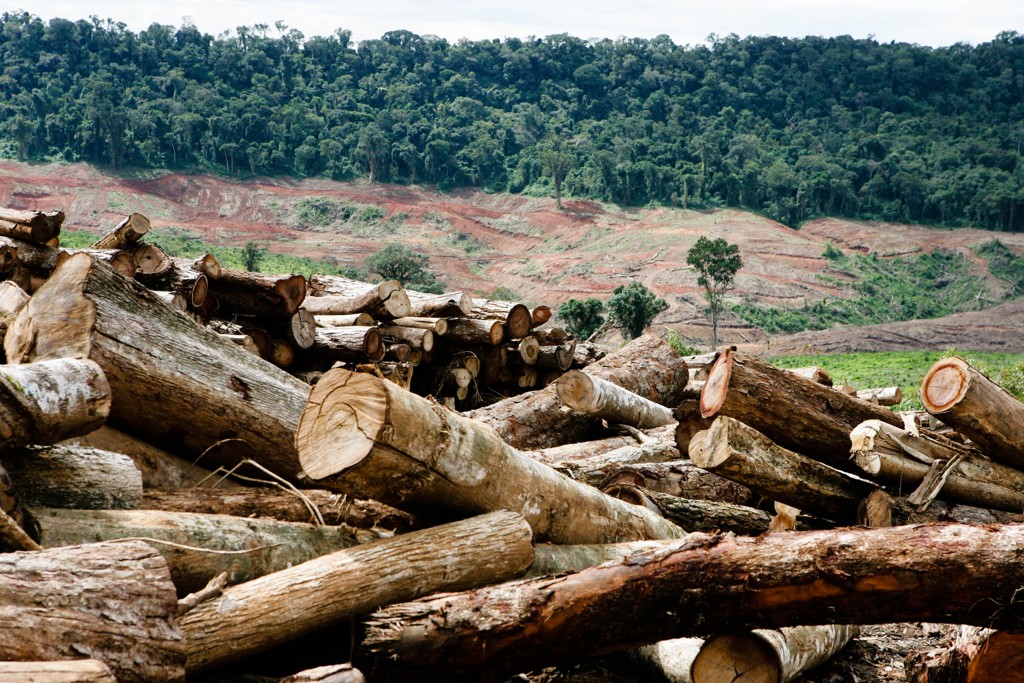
(716, 262)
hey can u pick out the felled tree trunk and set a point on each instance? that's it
(517, 318)
(550, 559)
(769, 656)
(12, 299)
(244, 548)
(679, 478)
(881, 510)
(611, 402)
(735, 451)
(112, 601)
(794, 412)
(333, 295)
(978, 408)
(335, 673)
(973, 654)
(448, 305)
(348, 343)
(259, 293)
(696, 515)
(582, 450)
(172, 382)
(883, 396)
(128, 232)
(74, 477)
(595, 470)
(468, 331)
(294, 602)
(702, 583)
(70, 671)
(30, 226)
(646, 366)
(372, 437)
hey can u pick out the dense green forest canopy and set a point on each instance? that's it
(792, 128)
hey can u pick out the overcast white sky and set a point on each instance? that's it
(926, 22)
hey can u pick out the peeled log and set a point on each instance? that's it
(646, 366)
(952, 573)
(884, 396)
(66, 476)
(374, 439)
(334, 295)
(740, 453)
(128, 232)
(110, 601)
(69, 671)
(965, 399)
(611, 402)
(291, 603)
(449, 305)
(769, 656)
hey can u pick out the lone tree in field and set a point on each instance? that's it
(399, 262)
(632, 307)
(582, 318)
(717, 263)
(252, 256)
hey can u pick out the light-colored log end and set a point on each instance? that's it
(716, 388)
(736, 658)
(576, 390)
(945, 385)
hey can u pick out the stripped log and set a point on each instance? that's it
(610, 402)
(955, 573)
(335, 295)
(448, 305)
(69, 671)
(357, 319)
(881, 510)
(376, 440)
(206, 264)
(813, 373)
(965, 399)
(556, 357)
(192, 284)
(111, 601)
(291, 603)
(128, 232)
(516, 317)
(66, 476)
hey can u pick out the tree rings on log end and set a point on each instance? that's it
(736, 658)
(292, 291)
(576, 390)
(945, 385)
(342, 418)
(716, 388)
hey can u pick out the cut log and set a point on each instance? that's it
(884, 396)
(281, 353)
(881, 510)
(448, 305)
(540, 315)
(74, 477)
(468, 331)
(769, 656)
(587, 449)
(696, 515)
(37, 227)
(238, 291)
(794, 412)
(516, 317)
(172, 382)
(439, 326)
(192, 284)
(358, 319)
(740, 453)
(669, 660)
(349, 344)
(372, 437)
(550, 559)
(953, 573)
(198, 547)
(121, 261)
(245, 342)
(556, 357)
(898, 457)
(12, 299)
(305, 598)
(175, 300)
(335, 295)
(8, 258)
(334, 673)
(128, 232)
(679, 478)
(595, 470)
(69, 671)
(151, 260)
(110, 601)
(417, 337)
(610, 401)
(301, 330)
(813, 373)
(37, 259)
(972, 654)
(646, 366)
(978, 408)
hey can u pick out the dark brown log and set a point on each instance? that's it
(954, 573)
(967, 400)
(239, 291)
(334, 295)
(66, 476)
(291, 603)
(448, 305)
(398, 353)
(335, 673)
(740, 453)
(540, 315)
(696, 515)
(970, 654)
(794, 412)
(610, 402)
(151, 260)
(30, 226)
(128, 232)
(556, 357)
(12, 299)
(206, 264)
(470, 331)
(646, 366)
(198, 547)
(8, 258)
(376, 440)
(110, 601)
(38, 259)
(171, 381)
(517, 318)
(349, 343)
(70, 671)
(882, 510)
(192, 284)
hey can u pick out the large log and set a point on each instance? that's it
(616, 405)
(359, 344)
(66, 476)
(448, 305)
(740, 453)
(769, 655)
(594, 470)
(646, 366)
(965, 399)
(696, 515)
(679, 478)
(417, 337)
(794, 412)
(469, 331)
(128, 232)
(239, 291)
(516, 317)
(12, 299)
(952, 573)
(334, 295)
(294, 602)
(30, 226)
(70, 671)
(550, 559)
(971, 654)
(198, 547)
(377, 440)
(110, 601)
(172, 382)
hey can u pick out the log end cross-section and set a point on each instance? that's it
(717, 385)
(945, 385)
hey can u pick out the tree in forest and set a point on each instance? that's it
(374, 145)
(399, 262)
(582, 318)
(252, 256)
(556, 163)
(716, 262)
(633, 307)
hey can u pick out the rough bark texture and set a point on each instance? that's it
(882, 510)
(297, 601)
(972, 654)
(550, 559)
(696, 515)
(372, 438)
(616, 405)
(680, 478)
(70, 671)
(74, 477)
(128, 232)
(110, 601)
(266, 545)
(239, 291)
(965, 399)
(30, 226)
(953, 573)
(646, 366)
(172, 383)
(469, 331)
(335, 295)
(735, 451)
(449, 305)
(595, 469)
(582, 450)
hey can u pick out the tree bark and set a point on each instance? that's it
(121, 261)
(468, 331)
(266, 545)
(359, 344)
(417, 337)
(769, 655)
(69, 671)
(336, 673)
(65, 476)
(449, 305)
(696, 515)
(740, 453)
(516, 317)
(972, 654)
(191, 284)
(439, 326)
(700, 584)
(610, 402)
(595, 471)
(978, 408)
(882, 510)
(110, 601)
(305, 598)
(794, 412)
(334, 295)
(30, 226)
(171, 381)
(379, 441)
(679, 478)
(550, 559)
(128, 232)
(646, 366)
(239, 291)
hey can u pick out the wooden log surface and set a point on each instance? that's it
(881, 510)
(74, 477)
(128, 232)
(351, 343)
(970, 654)
(38, 227)
(333, 673)
(679, 478)
(468, 331)
(239, 291)
(335, 295)
(516, 317)
(448, 305)
(696, 515)
(609, 401)
(68, 671)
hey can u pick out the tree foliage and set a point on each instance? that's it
(399, 262)
(716, 262)
(582, 317)
(252, 256)
(633, 307)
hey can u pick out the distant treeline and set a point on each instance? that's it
(793, 128)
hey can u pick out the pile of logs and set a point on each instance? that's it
(174, 506)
